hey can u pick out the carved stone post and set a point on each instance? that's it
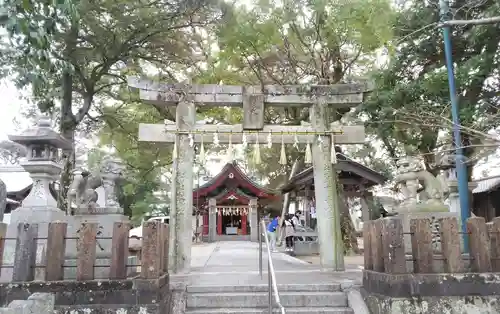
(325, 184)
(212, 219)
(182, 192)
(254, 234)
(366, 201)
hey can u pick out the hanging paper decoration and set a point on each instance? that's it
(256, 153)
(308, 154)
(296, 142)
(202, 150)
(283, 152)
(216, 139)
(269, 140)
(230, 148)
(244, 141)
(191, 140)
(174, 151)
(334, 152)
(320, 142)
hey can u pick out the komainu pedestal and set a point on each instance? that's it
(88, 211)
(424, 194)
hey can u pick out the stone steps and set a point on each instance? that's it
(263, 288)
(260, 299)
(289, 310)
(251, 299)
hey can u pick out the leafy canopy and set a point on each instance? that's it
(410, 108)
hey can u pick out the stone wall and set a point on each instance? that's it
(145, 296)
(431, 279)
(431, 293)
(379, 304)
(37, 303)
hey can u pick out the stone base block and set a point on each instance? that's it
(105, 232)
(306, 248)
(36, 215)
(101, 270)
(433, 285)
(97, 296)
(379, 304)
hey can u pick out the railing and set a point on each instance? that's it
(271, 276)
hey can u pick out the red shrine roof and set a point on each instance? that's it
(233, 195)
(232, 184)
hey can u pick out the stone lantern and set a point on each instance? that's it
(43, 163)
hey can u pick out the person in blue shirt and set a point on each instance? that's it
(271, 232)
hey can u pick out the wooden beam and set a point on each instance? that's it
(160, 133)
(339, 95)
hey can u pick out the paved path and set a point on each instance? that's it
(228, 263)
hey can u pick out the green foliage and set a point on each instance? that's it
(72, 53)
(33, 26)
(319, 41)
(410, 106)
(135, 194)
(296, 42)
(146, 162)
(98, 42)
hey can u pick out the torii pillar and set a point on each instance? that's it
(182, 192)
(326, 193)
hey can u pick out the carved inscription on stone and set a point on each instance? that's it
(436, 235)
(253, 111)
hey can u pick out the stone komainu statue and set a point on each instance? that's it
(3, 199)
(411, 176)
(82, 192)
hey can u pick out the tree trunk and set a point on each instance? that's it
(67, 129)
(68, 121)
(346, 226)
(286, 198)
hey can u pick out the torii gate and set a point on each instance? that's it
(185, 131)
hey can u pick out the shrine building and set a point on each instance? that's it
(355, 179)
(231, 204)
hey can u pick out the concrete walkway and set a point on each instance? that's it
(231, 263)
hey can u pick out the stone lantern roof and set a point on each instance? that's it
(42, 133)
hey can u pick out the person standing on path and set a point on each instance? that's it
(271, 232)
(289, 231)
(296, 218)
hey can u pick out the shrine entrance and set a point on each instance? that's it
(232, 222)
(231, 204)
(319, 135)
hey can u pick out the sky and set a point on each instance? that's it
(10, 109)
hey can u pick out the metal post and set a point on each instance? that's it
(260, 249)
(463, 187)
(270, 286)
